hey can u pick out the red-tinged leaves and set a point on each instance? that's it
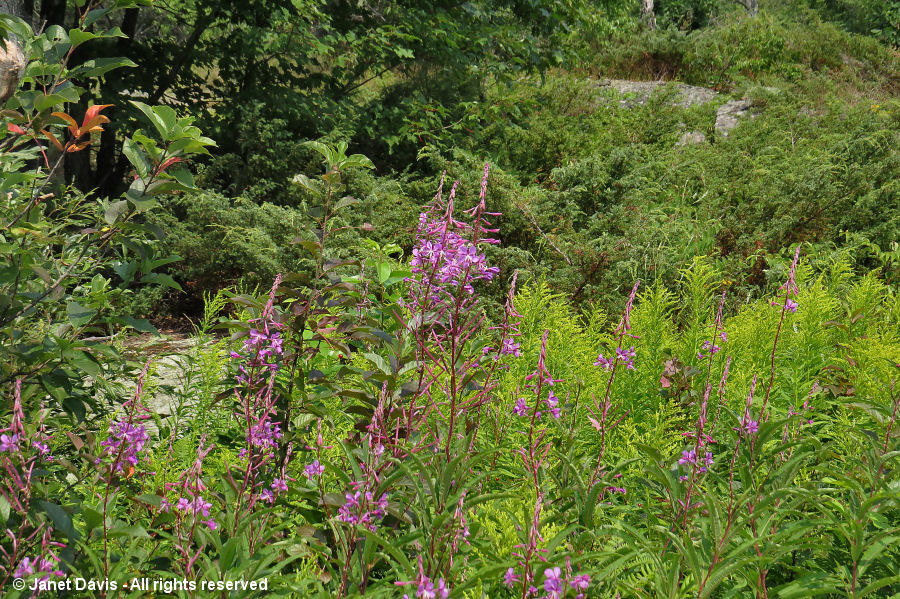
(93, 113)
(73, 124)
(167, 164)
(53, 139)
(93, 119)
(15, 129)
(91, 124)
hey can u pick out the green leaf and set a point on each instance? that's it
(78, 314)
(114, 211)
(344, 202)
(131, 530)
(15, 25)
(4, 508)
(61, 519)
(184, 176)
(384, 271)
(136, 157)
(92, 518)
(136, 196)
(48, 101)
(78, 36)
(379, 362)
(161, 279)
(83, 361)
(94, 15)
(125, 270)
(139, 324)
(97, 67)
(154, 117)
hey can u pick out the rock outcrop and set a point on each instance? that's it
(730, 113)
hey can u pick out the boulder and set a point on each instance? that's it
(730, 113)
(12, 65)
(691, 138)
(636, 93)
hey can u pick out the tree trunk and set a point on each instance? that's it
(648, 17)
(12, 61)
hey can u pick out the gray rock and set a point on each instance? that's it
(730, 113)
(636, 93)
(691, 138)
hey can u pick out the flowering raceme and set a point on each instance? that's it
(447, 255)
(128, 440)
(362, 508)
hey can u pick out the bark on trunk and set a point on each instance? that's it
(647, 15)
(12, 60)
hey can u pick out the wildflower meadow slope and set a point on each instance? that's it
(374, 432)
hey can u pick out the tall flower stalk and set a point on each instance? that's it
(22, 451)
(622, 357)
(448, 259)
(125, 444)
(258, 363)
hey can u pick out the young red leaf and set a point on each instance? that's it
(91, 113)
(53, 139)
(167, 164)
(73, 124)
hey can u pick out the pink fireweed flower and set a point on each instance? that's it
(509, 328)
(26, 568)
(711, 348)
(278, 485)
(626, 357)
(43, 567)
(688, 457)
(314, 469)
(510, 347)
(623, 356)
(445, 258)
(9, 443)
(691, 457)
(363, 508)
(750, 426)
(521, 407)
(606, 363)
(581, 582)
(127, 441)
(553, 582)
(790, 286)
(201, 506)
(789, 305)
(264, 434)
(541, 374)
(443, 590)
(426, 589)
(510, 578)
(43, 449)
(552, 405)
